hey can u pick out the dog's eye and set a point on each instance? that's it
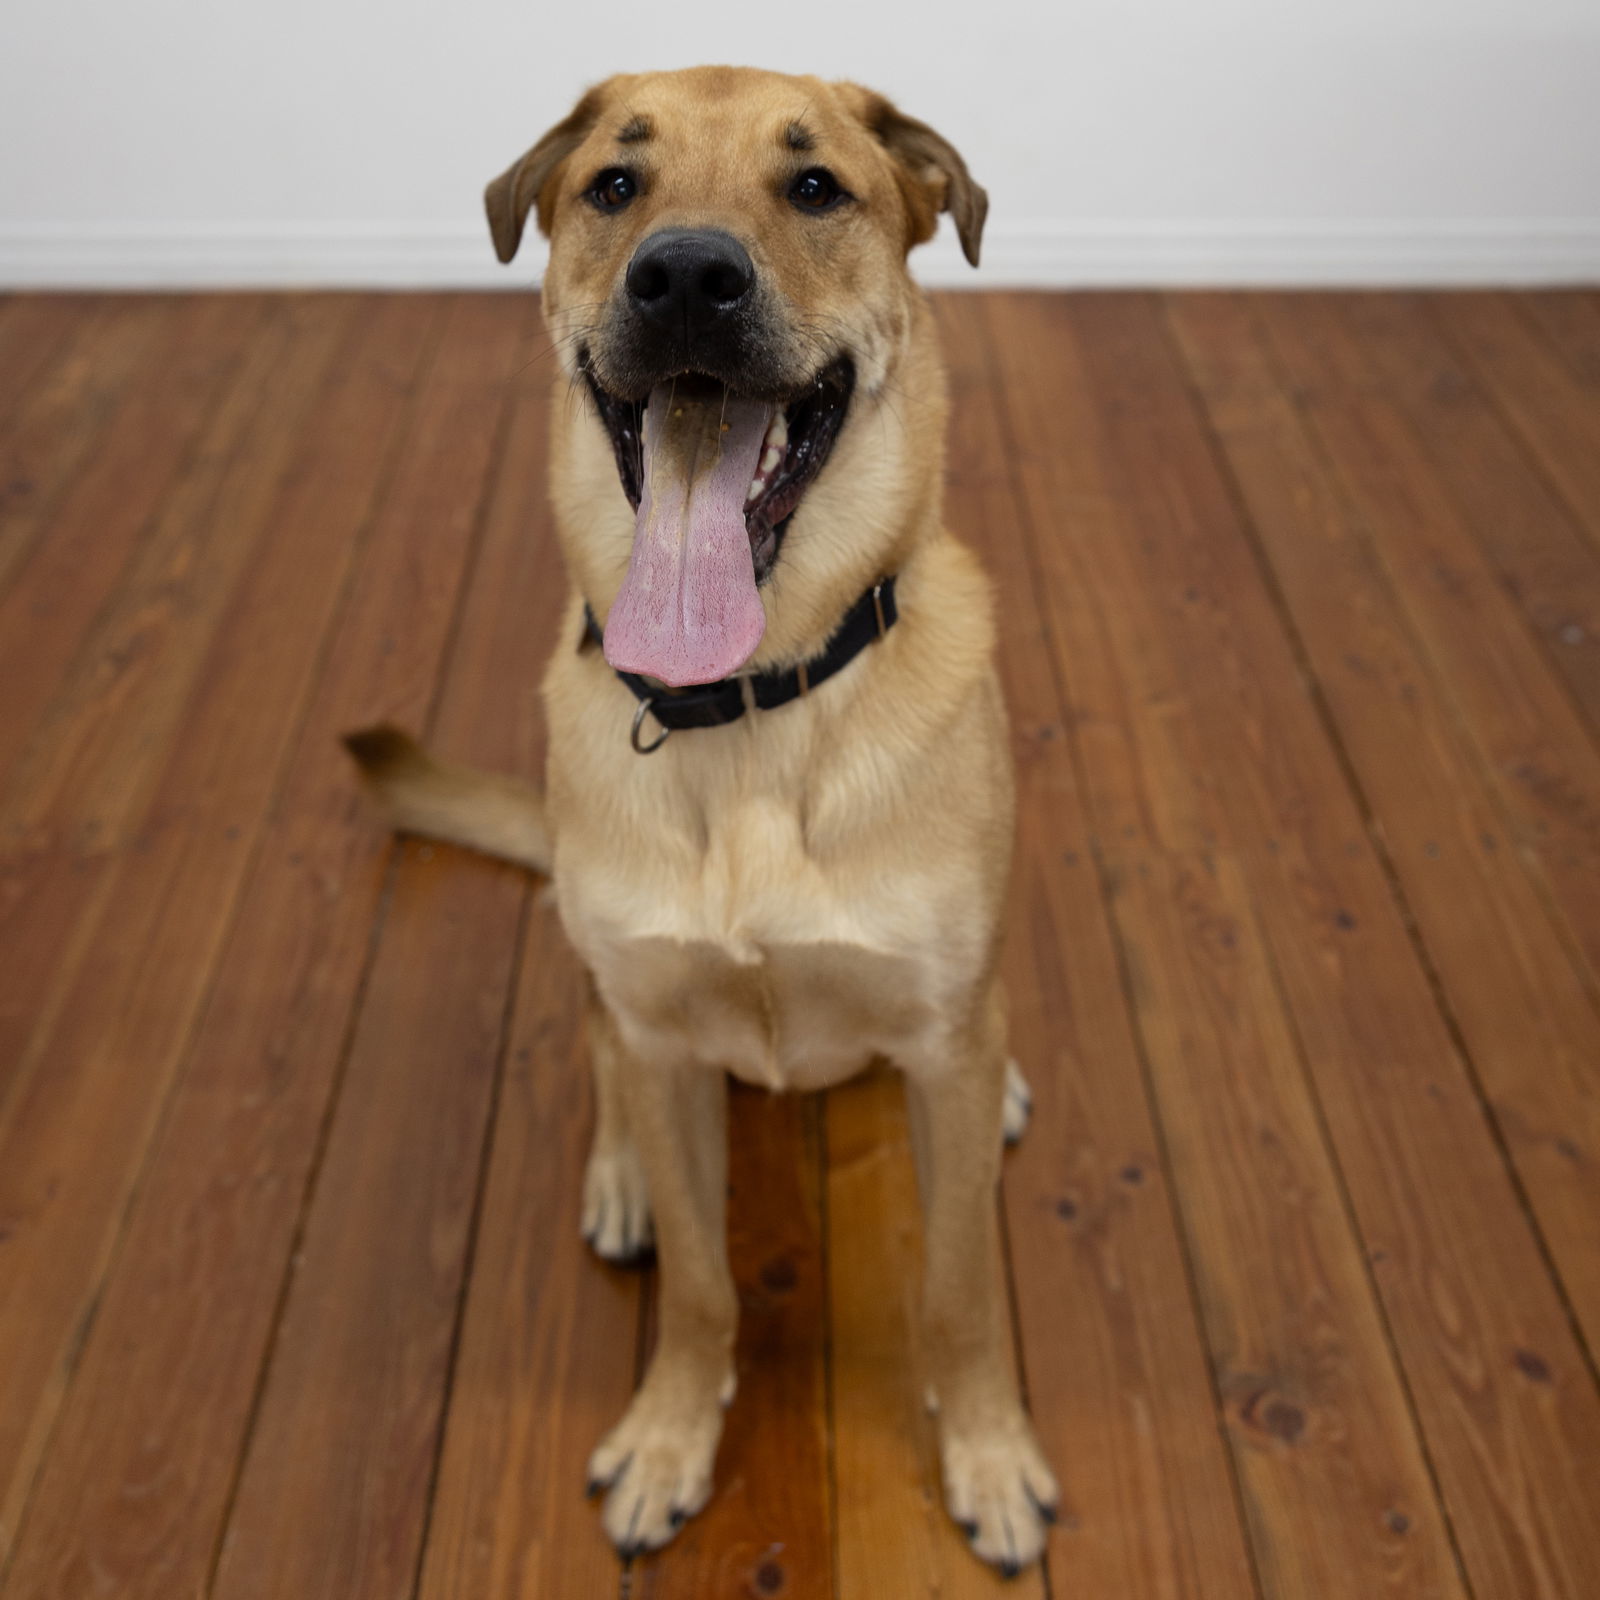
(816, 189)
(613, 189)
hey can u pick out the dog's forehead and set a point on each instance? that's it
(725, 117)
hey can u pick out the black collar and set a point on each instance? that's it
(713, 705)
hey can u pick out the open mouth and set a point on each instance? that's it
(799, 438)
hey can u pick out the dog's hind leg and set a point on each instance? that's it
(997, 1483)
(616, 1198)
(440, 800)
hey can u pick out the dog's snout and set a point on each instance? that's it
(685, 279)
(690, 300)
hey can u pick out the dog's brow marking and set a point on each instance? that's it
(798, 138)
(634, 130)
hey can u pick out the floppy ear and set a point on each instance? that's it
(510, 197)
(932, 174)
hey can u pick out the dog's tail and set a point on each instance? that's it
(482, 810)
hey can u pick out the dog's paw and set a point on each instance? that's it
(1001, 1491)
(656, 1464)
(1019, 1103)
(616, 1206)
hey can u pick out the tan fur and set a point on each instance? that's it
(790, 897)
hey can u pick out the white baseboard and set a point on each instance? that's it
(1049, 254)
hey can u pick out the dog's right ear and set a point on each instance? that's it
(531, 181)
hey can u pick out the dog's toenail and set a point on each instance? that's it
(1009, 1569)
(677, 1516)
(593, 1487)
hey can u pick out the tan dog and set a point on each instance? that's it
(818, 883)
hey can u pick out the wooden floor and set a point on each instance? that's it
(1302, 646)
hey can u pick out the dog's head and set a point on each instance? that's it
(727, 279)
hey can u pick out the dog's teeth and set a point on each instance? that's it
(773, 447)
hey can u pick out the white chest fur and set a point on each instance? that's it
(763, 961)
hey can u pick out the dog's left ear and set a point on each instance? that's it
(933, 177)
(529, 181)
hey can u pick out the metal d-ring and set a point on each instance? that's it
(638, 723)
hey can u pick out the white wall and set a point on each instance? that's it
(279, 141)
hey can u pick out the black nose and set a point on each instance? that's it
(685, 279)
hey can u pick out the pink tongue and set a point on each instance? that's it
(688, 611)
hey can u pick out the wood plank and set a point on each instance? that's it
(894, 1535)
(1468, 1373)
(64, 1190)
(96, 750)
(1385, 1073)
(1318, 1413)
(549, 1337)
(34, 331)
(1506, 1455)
(1313, 1498)
(85, 777)
(107, 1066)
(1537, 547)
(1569, 319)
(108, 372)
(1556, 416)
(373, 1309)
(159, 435)
(99, 347)
(339, 1471)
(768, 1528)
(148, 1448)
(1116, 1366)
(1532, 1030)
(1542, 763)
(1502, 1386)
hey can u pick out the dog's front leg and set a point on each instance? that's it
(657, 1460)
(997, 1483)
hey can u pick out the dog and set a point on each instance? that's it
(778, 808)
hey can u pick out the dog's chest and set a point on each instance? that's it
(797, 1017)
(758, 958)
